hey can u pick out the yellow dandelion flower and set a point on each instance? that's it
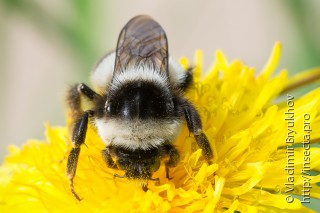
(263, 154)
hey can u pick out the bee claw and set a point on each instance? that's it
(74, 192)
(145, 188)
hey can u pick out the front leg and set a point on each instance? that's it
(74, 96)
(195, 127)
(78, 138)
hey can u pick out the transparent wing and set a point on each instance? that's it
(142, 41)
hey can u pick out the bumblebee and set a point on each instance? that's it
(138, 106)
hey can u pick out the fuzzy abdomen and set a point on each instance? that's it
(137, 134)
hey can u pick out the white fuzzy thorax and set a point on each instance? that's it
(140, 73)
(176, 73)
(102, 75)
(134, 134)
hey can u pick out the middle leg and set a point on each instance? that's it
(195, 127)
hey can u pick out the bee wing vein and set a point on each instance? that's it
(142, 42)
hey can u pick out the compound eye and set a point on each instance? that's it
(107, 107)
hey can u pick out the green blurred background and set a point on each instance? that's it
(46, 45)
